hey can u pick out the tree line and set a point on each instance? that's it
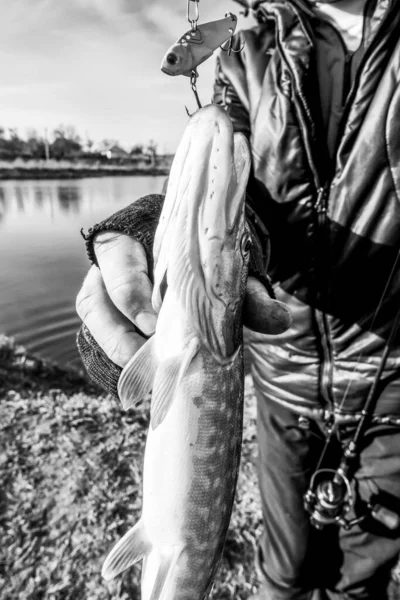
(65, 143)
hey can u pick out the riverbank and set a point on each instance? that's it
(78, 173)
(70, 463)
(78, 169)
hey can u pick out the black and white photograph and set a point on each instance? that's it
(200, 300)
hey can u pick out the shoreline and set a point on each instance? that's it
(76, 173)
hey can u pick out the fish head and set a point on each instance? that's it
(202, 242)
(224, 240)
(178, 60)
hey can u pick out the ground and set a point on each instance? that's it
(70, 466)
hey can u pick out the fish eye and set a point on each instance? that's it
(172, 59)
(245, 245)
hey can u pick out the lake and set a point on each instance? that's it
(42, 254)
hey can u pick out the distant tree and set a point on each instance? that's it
(67, 132)
(66, 144)
(152, 151)
(109, 143)
(72, 135)
(64, 148)
(14, 146)
(137, 150)
(152, 148)
(35, 144)
(89, 144)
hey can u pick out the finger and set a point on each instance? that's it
(263, 314)
(114, 333)
(123, 265)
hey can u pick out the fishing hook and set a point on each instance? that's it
(193, 79)
(230, 47)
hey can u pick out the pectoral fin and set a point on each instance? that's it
(137, 377)
(168, 376)
(134, 546)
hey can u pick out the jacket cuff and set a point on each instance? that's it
(139, 220)
(97, 364)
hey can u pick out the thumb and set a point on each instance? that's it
(263, 314)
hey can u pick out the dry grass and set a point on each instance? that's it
(70, 466)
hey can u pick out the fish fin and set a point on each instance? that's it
(134, 546)
(168, 376)
(136, 379)
(162, 573)
(168, 560)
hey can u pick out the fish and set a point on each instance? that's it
(195, 47)
(194, 366)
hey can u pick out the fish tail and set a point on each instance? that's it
(134, 546)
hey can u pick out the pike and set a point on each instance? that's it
(194, 366)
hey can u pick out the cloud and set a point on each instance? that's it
(96, 64)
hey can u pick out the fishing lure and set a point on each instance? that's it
(197, 45)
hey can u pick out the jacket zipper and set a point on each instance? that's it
(320, 208)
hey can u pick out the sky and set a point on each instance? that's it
(95, 64)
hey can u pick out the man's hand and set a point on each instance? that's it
(263, 314)
(115, 299)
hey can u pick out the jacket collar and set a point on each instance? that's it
(377, 11)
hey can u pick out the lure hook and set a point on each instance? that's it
(230, 47)
(193, 80)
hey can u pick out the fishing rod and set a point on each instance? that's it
(329, 498)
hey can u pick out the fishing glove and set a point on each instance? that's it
(140, 221)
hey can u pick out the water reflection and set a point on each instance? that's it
(69, 198)
(41, 196)
(2, 204)
(42, 255)
(20, 199)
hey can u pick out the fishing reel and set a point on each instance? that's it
(329, 499)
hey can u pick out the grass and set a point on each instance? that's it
(70, 467)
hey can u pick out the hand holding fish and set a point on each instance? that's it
(115, 299)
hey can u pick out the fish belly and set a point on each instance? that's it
(190, 472)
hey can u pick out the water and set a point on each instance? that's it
(42, 254)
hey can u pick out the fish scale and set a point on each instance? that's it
(214, 479)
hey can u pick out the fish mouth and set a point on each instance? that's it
(223, 173)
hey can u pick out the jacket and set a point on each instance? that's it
(334, 224)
